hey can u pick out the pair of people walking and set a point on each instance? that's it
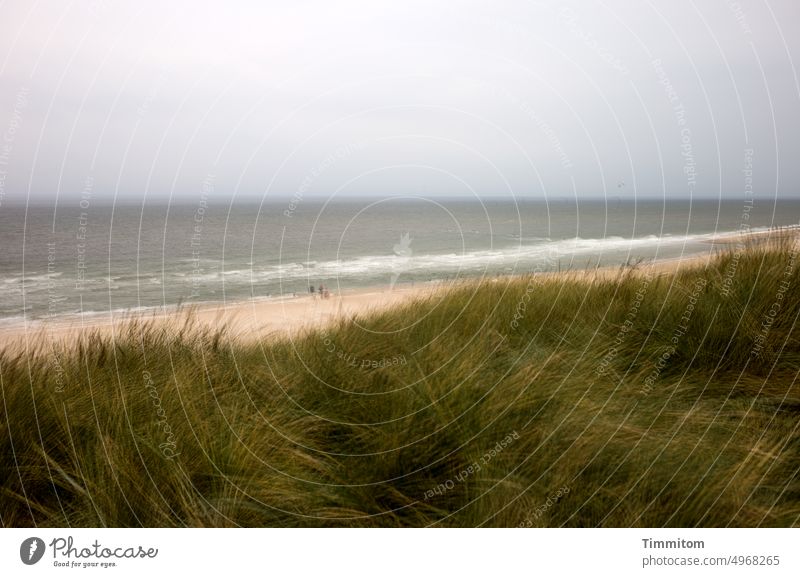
(323, 291)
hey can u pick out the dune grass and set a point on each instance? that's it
(619, 400)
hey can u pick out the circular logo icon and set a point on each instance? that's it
(31, 550)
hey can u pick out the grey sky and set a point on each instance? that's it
(423, 98)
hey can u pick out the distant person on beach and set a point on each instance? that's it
(311, 290)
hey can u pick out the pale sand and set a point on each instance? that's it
(250, 319)
(282, 317)
(270, 317)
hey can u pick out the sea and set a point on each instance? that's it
(92, 258)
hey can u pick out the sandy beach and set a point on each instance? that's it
(282, 316)
(286, 315)
(243, 319)
(260, 318)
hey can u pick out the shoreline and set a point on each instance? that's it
(243, 319)
(254, 319)
(282, 316)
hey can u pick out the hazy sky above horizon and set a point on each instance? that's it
(180, 100)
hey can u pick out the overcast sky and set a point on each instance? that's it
(155, 100)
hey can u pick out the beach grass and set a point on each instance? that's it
(631, 399)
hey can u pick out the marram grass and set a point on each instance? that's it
(620, 400)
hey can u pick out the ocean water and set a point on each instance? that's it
(97, 258)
